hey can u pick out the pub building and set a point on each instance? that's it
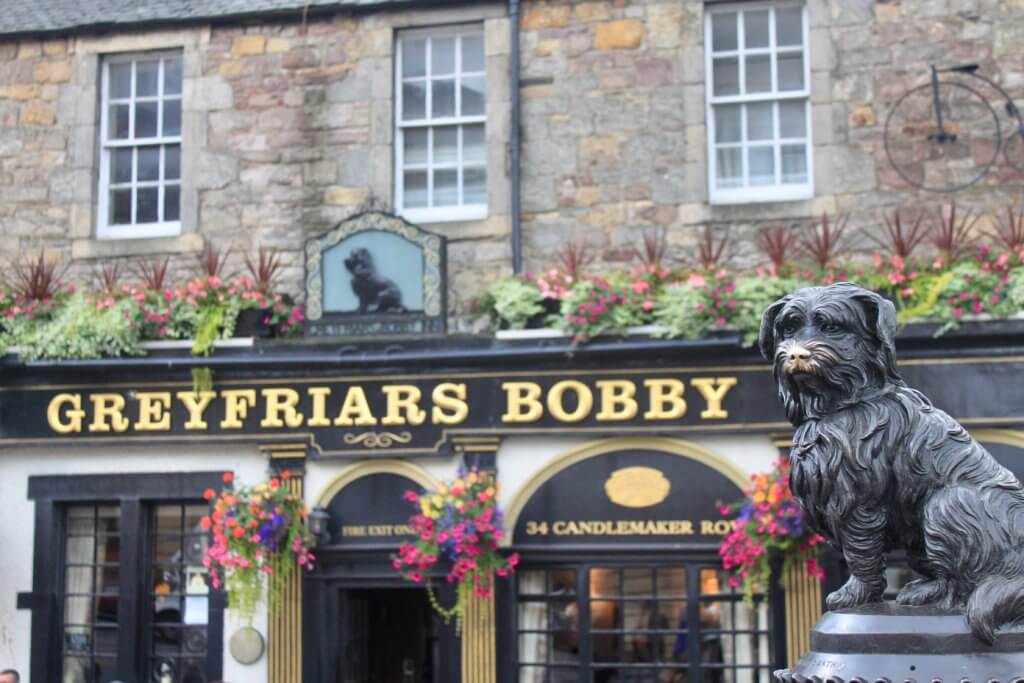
(615, 459)
(433, 146)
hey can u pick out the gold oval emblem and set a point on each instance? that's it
(637, 487)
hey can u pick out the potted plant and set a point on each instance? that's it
(259, 537)
(769, 526)
(256, 288)
(459, 525)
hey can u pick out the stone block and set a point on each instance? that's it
(232, 69)
(862, 116)
(52, 72)
(30, 49)
(624, 34)
(210, 93)
(38, 113)
(249, 45)
(546, 16)
(668, 26)
(592, 11)
(216, 170)
(346, 196)
(20, 91)
(888, 12)
(1009, 36)
(276, 45)
(599, 150)
(496, 37)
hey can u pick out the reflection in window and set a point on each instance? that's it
(660, 624)
(92, 551)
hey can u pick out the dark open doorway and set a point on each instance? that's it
(388, 635)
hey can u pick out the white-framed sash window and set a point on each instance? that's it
(140, 146)
(758, 103)
(441, 120)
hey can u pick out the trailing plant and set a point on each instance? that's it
(678, 309)
(515, 301)
(258, 539)
(769, 524)
(85, 328)
(459, 524)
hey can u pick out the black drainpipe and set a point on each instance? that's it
(516, 138)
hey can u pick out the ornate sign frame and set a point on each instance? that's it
(432, 320)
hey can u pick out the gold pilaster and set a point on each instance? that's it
(284, 630)
(803, 609)
(479, 658)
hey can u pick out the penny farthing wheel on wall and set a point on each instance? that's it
(942, 136)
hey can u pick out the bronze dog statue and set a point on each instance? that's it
(376, 293)
(877, 467)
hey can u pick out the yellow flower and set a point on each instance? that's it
(472, 477)
(437, 501)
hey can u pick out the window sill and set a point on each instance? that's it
(444, 215)
(188, 243)
(762, 195)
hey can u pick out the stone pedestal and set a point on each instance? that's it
(887, 642)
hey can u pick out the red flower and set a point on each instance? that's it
(228, 477)
(209, 494)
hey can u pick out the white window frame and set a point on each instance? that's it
(780, 191)
(437, 214)
(104, 229)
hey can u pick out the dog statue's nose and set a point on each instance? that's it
(799, 353)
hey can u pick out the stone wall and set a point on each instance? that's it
(288, 128)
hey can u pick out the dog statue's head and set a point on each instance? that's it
(359, 262)
(830, 347)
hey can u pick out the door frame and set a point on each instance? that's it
(359, 570)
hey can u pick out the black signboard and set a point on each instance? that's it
(419, 413)
(370, 511)
(634, 496)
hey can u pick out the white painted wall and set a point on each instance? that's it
(17, 526)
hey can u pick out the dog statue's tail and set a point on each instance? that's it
(997, 600)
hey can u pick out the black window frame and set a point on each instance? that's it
(135, 494)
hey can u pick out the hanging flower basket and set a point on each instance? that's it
(259, 538)
(769, 525)
(459, 524)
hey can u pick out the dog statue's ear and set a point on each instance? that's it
(879, 312)
(766, 338)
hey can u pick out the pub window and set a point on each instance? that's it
(651, 624)
(440, 141)
(140, 146)
(134, 600)
(758, 103)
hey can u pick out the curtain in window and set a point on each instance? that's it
(532, 646)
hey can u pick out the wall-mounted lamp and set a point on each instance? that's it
(318, 522)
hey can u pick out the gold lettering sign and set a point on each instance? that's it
(637, 487)
(629, 527)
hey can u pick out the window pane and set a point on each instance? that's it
(729, 171)
(605, 582)
(791, 71)
(172, 117)
(119, 121)
(673, 613)
(475, 189)
(755, 28)
(120, 80)
(606, 649)
(474, 148)
(759, 73)
(121, 165)
(149, 163)
(147, 78)
(671, 581)
(413, 58)
(793, 118)
(414, 146)
(121, 207)
(533, 648)
(530, 582)
(472, 53)
(443, 102)
(604, 614)
(107, 580)
(148, 199)
(762, 165)
(442, 56)
(726, 76)
(172, 77)
(145, 119)
(563, 581)
(727, 123)
(760, 121)
(472, 96)
(637, 582)
(446, 187)
(172, 203)
(794, 163)
(446, 145)
(415, 191)
(563, 615)
(172, 162)
(414, 101)
(723, 31)
(789, 26)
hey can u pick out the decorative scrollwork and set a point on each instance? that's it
(377, 439)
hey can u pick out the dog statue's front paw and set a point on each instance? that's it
(854, 592)
(923, 592)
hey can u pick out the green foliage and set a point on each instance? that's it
(677, 310)
(753, 295)
(82, 328)
(513, 300)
